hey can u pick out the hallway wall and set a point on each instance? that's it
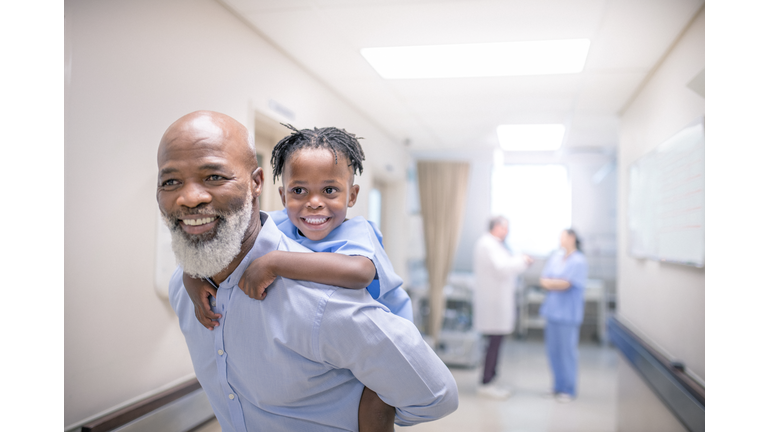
(131, 69)
(664, 303)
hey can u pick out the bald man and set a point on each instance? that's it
(300, 359)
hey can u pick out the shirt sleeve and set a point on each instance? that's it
(575, 270)
(390, 284)
(283, 223)
(387, 287)
(398, 302)
(388, 355)
(376, 231)
(358, 237)
(349, 238)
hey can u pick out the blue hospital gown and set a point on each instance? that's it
(358, 236)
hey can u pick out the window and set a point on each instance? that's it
(537, 201)
(374, 207)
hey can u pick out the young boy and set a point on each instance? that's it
(317, 169)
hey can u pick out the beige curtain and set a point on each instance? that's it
(442, 190)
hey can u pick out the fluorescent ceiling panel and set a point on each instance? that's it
(531, 137)
(479, 60)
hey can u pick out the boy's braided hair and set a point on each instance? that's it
(334, 139)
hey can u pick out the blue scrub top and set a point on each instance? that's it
(566, 306)
(357, 236)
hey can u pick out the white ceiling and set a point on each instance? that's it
(628, 38)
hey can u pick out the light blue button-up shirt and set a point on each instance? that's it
(358, 236)
(298, 360)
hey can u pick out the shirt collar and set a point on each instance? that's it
(267, 240)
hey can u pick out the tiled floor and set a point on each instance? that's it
(524, 368)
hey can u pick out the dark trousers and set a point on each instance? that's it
(491, 357)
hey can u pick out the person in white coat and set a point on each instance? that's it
(496, 270)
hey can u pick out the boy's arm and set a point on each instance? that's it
(198, 291)
(346, 271)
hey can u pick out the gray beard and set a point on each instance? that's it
(200, 257)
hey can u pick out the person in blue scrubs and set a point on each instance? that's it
(564, 277)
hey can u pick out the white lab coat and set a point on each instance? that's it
(496, 271)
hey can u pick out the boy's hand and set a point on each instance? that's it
(373, 415)
(257, 277)
(199, 290)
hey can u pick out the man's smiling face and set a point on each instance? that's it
(205, 193)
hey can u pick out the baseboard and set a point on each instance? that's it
(177, 409)
(681, 394)
(181, 415)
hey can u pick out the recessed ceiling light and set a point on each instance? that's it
(530, 137)
(479, 60)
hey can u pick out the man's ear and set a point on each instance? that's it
(353, 191)
(282, 195)
(258, 182)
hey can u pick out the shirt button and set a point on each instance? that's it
(213, 303)
(221, 352)
(231, 396)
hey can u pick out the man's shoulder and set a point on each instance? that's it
(298, 292)
(316, 307)
(290, 245)
(339, 305)
(284, 241)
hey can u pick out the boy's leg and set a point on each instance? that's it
(374, 415)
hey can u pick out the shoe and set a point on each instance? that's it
(493, 392)
(563, 397)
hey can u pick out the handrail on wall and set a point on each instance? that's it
(679, 392)
(141, 408)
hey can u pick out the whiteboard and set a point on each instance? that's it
(666, 200)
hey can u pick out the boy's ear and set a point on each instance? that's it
(282, 196)
(353, 191)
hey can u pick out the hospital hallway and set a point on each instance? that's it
(523, 368)
(568, 136)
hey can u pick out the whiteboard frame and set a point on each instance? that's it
(643, 215)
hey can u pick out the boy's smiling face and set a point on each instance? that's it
(317, 191)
